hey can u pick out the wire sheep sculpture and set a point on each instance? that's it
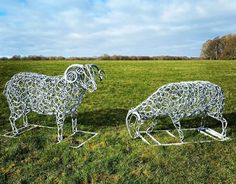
(177, 101)
(50, 95)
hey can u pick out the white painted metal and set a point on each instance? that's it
(50, 95)
(86, 132)
(24, 129)
(177, 101)
(215, 136)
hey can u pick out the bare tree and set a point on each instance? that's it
(219, 48)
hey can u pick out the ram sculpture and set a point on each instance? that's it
(177, 101)
(50, 95)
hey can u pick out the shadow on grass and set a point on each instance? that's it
(114, 117)
(104, 117)
(211, 122)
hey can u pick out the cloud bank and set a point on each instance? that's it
(96, 27)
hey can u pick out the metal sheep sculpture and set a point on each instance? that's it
(177, 101)
(50, 95)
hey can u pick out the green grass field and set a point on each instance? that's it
(112, 156)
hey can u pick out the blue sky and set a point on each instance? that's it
(121, 27)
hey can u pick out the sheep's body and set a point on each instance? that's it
(181, 100)
(49, 95)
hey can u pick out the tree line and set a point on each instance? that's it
(220, 48)
(103, 57)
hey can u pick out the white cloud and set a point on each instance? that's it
(95, 27)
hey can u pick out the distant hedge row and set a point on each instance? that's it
(104, 57)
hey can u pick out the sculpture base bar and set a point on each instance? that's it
(24, 129)
(33, 126)
(148, 138)
(93, 134)
(213, 134)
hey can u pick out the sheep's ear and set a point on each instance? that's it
(98, 71)
(72, 72)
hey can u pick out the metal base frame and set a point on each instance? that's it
(215, 136)
(85, 132)
(25, 129)
(33, 126)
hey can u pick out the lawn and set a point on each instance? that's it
(112, 156)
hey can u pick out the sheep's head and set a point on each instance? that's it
(133, 123)
(83, 74)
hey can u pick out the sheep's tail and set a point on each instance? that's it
(221, 97)
(219, 100)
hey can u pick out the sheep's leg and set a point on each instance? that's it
(12, 120)
(224, 123)
(178, 128)
(224, 126)
(25, 117)
(74, 122)
(203, 123)
(25, 120)
(60, 122)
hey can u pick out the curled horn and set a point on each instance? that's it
(72, 76)
(100, 72)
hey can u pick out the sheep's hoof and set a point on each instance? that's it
(15, 133)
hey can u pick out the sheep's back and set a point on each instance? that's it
(187, 98)
(36, 91)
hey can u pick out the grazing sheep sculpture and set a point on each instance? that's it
(177, 101)
(50, 95)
